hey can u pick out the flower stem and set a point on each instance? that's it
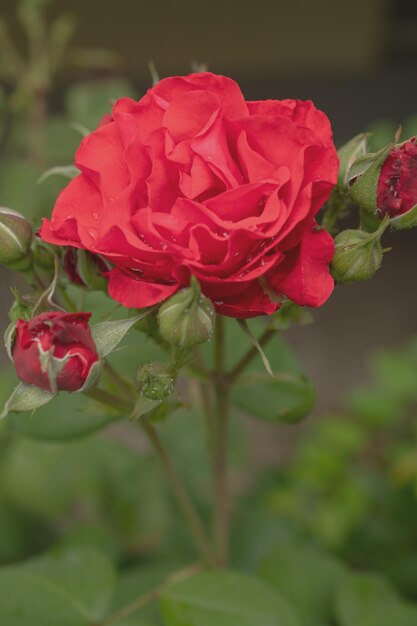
(151, 595)
(220, 451)
(184, 500)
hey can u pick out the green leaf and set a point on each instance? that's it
(306, 577)
(362, 595)
(283, 398)
(69, 589)
(62, 419)
(26, 398)
(108, 335)
(396, 615)
(225, 599)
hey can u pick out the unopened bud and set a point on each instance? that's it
(385, 183)
(357, 257)
(186, 319)
(15, 240)
(154, 381)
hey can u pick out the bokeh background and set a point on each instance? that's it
(356, 60)
(351, 480)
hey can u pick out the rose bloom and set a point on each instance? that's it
(54, 351)
(192, 179)
(397, 183)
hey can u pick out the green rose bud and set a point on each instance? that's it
(15, 240)
(357, 257)
(186, 319)
(154, 381)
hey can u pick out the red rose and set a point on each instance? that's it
(397, 184)
(193, 180)
(54, 351)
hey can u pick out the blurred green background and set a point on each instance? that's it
(346, 480)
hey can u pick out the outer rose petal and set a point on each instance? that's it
(135, 293)
(304, 275)
(227, 90)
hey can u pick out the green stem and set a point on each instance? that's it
(185, 503)
(109, 400)
(253, 352)
(220, 449)
(222, 504)
(151, 595)
(184, 500)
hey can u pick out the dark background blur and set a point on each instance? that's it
(355, 59)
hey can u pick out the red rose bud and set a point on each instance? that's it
(387, 184)
(15, 240)
(186, 319)
(85, 269)
(397, 185)
(55, 351)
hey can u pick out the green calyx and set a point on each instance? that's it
(358, 254)
(365, 174)
(15, 240)
(186, 319)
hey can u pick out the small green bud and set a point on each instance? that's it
(154, 381)
(186, 319)
(15, 240)
(357, 257)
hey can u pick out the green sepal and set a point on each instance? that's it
(365, 172)
(26, 398)
(406, 220)
(348, 154)
(108, 335)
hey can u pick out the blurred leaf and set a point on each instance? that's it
(360, 595)
(225, 599)
(86, 103)
(61, 419)
(139, 580)
(69, 589)
(281, 399)
(26, 398)
(306, 577)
